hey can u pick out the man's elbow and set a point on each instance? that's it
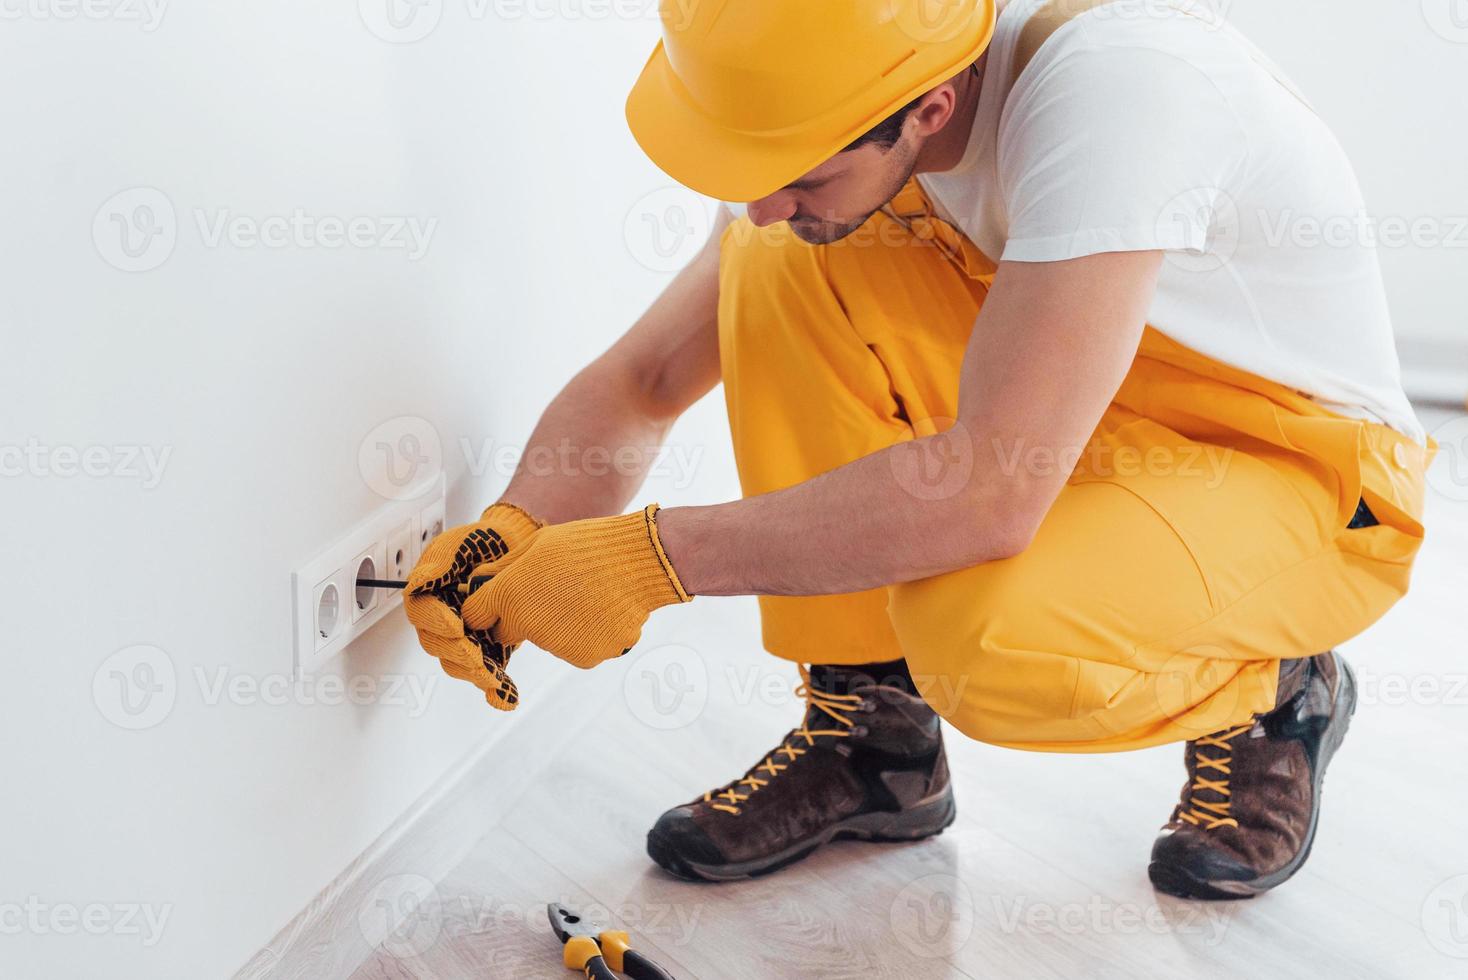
(1001, 528)
(1013, 534)
(993, 513)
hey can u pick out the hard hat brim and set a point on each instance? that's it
(731, 165)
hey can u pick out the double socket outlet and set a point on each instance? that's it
(331, 609)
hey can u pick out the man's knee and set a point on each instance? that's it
(1007, 661)
(968, 640)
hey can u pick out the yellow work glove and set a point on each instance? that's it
(580, 590)
(433, 600)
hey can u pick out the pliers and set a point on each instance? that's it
(601, 956)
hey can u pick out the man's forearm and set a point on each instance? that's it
(589, 452)
(594, 444)
(869, 523)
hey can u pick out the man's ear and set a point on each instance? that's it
(934, 111)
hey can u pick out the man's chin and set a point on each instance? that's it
(822, 232)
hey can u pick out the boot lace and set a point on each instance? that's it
(833, 706)
(1205, 814)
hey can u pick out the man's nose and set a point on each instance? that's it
(768, 210)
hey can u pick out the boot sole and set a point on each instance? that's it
(1180, 883)
(926, 819)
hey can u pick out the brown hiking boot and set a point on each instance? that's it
(867, 762)
(1252, 800)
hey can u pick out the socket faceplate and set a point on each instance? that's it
(337, 566)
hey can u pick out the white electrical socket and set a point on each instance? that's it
(330, 609)
(430, 523)
(326, 605)
(402, 551)
(371, 563)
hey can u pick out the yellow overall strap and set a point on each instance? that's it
(911, 209)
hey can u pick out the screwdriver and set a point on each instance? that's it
(381, 583)
(464, 588)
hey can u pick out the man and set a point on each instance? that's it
(1046, 424)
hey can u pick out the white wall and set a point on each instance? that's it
(1391, 79)
(261, 370)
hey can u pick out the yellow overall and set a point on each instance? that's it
(1202, 536)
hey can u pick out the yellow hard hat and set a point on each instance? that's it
(743, 96)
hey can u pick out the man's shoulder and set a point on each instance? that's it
(1045, 34)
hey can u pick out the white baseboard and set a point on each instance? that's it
(333, 935)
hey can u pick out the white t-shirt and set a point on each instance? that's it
(1139, 125)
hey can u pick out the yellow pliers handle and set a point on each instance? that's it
(603, 956)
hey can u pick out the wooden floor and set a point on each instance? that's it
(1044, 873)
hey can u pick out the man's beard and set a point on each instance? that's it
(817, 231)
(814, 231)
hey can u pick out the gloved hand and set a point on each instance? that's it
(433, 601)
(580, 590)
